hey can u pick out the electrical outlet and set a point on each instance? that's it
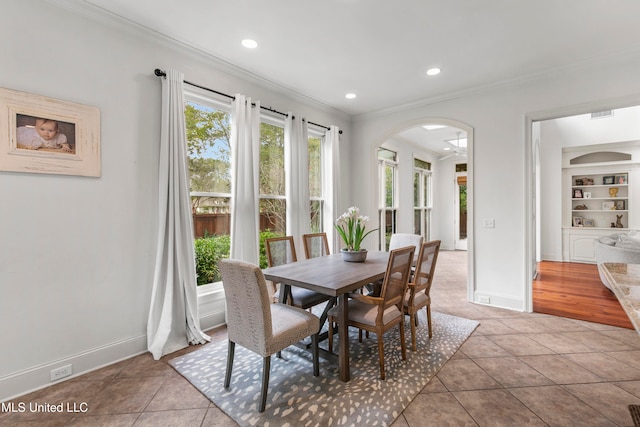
(489, 223)
(483, 299)
(62, 372)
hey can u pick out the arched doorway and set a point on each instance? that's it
(442, 150)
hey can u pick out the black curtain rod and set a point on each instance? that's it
(158, 72)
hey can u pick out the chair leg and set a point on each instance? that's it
(413, 330)
(314, 352)
(381, 354)
(325, 312)
(266, 367)
(429, 319)
(360, 335)
(330, 344)
(230, 353)
(403, 344)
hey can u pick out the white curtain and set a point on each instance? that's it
(331, 185)
(296, 167)
(173, 316)
(245, 161)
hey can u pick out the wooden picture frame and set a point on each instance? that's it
(621, 179)
(608, 180)
(49, 136)
(577, 221)
(577, 193)
(588, 222)
(608, 206)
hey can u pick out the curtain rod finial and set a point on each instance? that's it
(158, 72)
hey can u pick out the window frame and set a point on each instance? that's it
(383, 209)
(424, 206)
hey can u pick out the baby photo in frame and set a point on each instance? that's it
(49, 136)
(621, 179)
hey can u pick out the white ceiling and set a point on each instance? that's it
(381, 49)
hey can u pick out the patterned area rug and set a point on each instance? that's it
(298, 398)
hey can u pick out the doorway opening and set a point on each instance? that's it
(553, 237)
(419, 164)
(461, 213)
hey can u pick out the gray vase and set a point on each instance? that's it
(354, 256)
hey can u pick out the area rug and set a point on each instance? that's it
(297, 398)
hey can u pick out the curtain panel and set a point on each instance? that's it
(296, 167)
(245, 167)
(173, 321)
(331, 185)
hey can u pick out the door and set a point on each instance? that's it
(460, 211)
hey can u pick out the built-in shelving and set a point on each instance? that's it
(599, 195)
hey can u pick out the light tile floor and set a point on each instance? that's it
(517, 369)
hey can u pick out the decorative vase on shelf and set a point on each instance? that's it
(354, 256)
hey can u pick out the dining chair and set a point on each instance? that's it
(400, 240)
(282, 250)
(417, 295)
(257, 324)
(315, 245)
(379, 314)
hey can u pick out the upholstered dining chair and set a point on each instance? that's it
(259, 325)
(282, 250)
(417, 295)
(400, 240)
(315, 245)
(379, 314)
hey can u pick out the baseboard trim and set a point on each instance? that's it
(38, 377)
(212, 309)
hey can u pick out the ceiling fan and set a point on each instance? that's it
(459, 148)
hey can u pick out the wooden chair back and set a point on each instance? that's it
(426, 266)
(396, 278)
(315, 245)
(280, 250)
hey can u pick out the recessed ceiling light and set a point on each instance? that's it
(350, 96)
(249, 43)
(433, 71)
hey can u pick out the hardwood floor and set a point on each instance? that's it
(574, 290)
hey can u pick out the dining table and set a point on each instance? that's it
(330, 275)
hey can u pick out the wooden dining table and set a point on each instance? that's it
(330, 275)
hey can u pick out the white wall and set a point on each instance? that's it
(76, 255)
(573, 131)
(501, 158)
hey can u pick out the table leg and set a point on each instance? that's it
(343, 334)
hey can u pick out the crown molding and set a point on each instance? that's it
(96, 13)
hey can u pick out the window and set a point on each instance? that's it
(273, 207)
(315, 182)
(422, 198)
(387, 171)
(209, 163)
